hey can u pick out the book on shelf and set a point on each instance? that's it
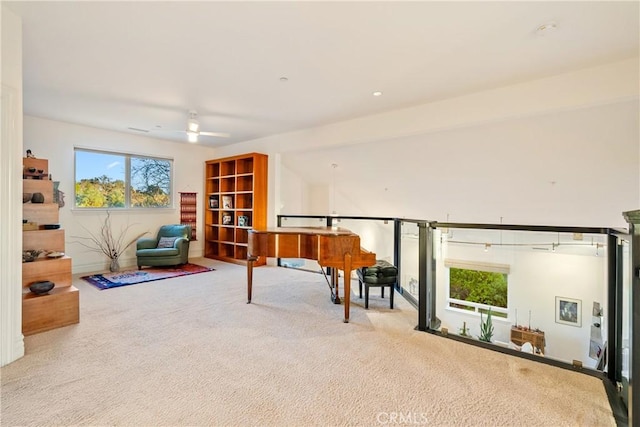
(213, 202)
(227, 202)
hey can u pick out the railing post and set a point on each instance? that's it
(434, 322)
(633, 218)
(279, 260)
(614, 316)
(397, 233)
(426, 279)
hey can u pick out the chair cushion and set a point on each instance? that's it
(381, 269)
(378, 281)
(161, 252)
(166, 242)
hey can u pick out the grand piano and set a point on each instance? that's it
(333, 247)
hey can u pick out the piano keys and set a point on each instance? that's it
(333, 247)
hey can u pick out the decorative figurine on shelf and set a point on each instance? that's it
(37, 198)
(58, 196)
(31, 255)
(60, 199)
(30, 155)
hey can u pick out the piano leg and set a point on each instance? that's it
(249, 277)
(334, 284)
(347, 286)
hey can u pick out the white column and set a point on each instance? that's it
(11, 339)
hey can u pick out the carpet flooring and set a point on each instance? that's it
(148, 274)
(189, 351)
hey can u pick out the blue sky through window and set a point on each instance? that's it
(91, 165)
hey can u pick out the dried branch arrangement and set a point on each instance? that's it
(106, 242)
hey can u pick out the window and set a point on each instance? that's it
(478, 287)
(117, 180)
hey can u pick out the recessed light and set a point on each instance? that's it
(377, 93)
(284, 79)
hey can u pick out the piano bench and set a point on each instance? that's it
(382, 274)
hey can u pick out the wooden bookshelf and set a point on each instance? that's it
(235, 187)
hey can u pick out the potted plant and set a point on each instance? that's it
(486, 328)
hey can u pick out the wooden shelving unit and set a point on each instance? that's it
(60, 307)
(188, 211)
(242, 182)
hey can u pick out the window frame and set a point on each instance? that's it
(127, 180)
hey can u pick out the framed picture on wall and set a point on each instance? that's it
(569, 311)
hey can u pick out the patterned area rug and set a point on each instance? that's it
(133, 277)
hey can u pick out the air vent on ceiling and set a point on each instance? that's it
(138, 130)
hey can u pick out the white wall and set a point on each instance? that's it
(576, 167)
(294, 191)
(11, 339)
(55, 141)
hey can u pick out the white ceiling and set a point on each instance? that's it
(116, 65)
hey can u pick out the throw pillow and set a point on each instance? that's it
(166, 242)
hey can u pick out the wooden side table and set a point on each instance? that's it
(521, 336)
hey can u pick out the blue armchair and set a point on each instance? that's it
(170, 247)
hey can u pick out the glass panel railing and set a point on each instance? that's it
(546, 291)
(375, 235)
(626, 320)
(302, 221)
(409, 259)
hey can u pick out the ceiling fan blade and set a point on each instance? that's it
(218, 134)
(168, 130)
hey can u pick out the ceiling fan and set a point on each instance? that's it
(193, 129)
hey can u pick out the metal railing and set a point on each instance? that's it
(417, 248)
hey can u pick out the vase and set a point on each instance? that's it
(114, 266)
(37, 198)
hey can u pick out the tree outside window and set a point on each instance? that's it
(150, 182)
(475, 286)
